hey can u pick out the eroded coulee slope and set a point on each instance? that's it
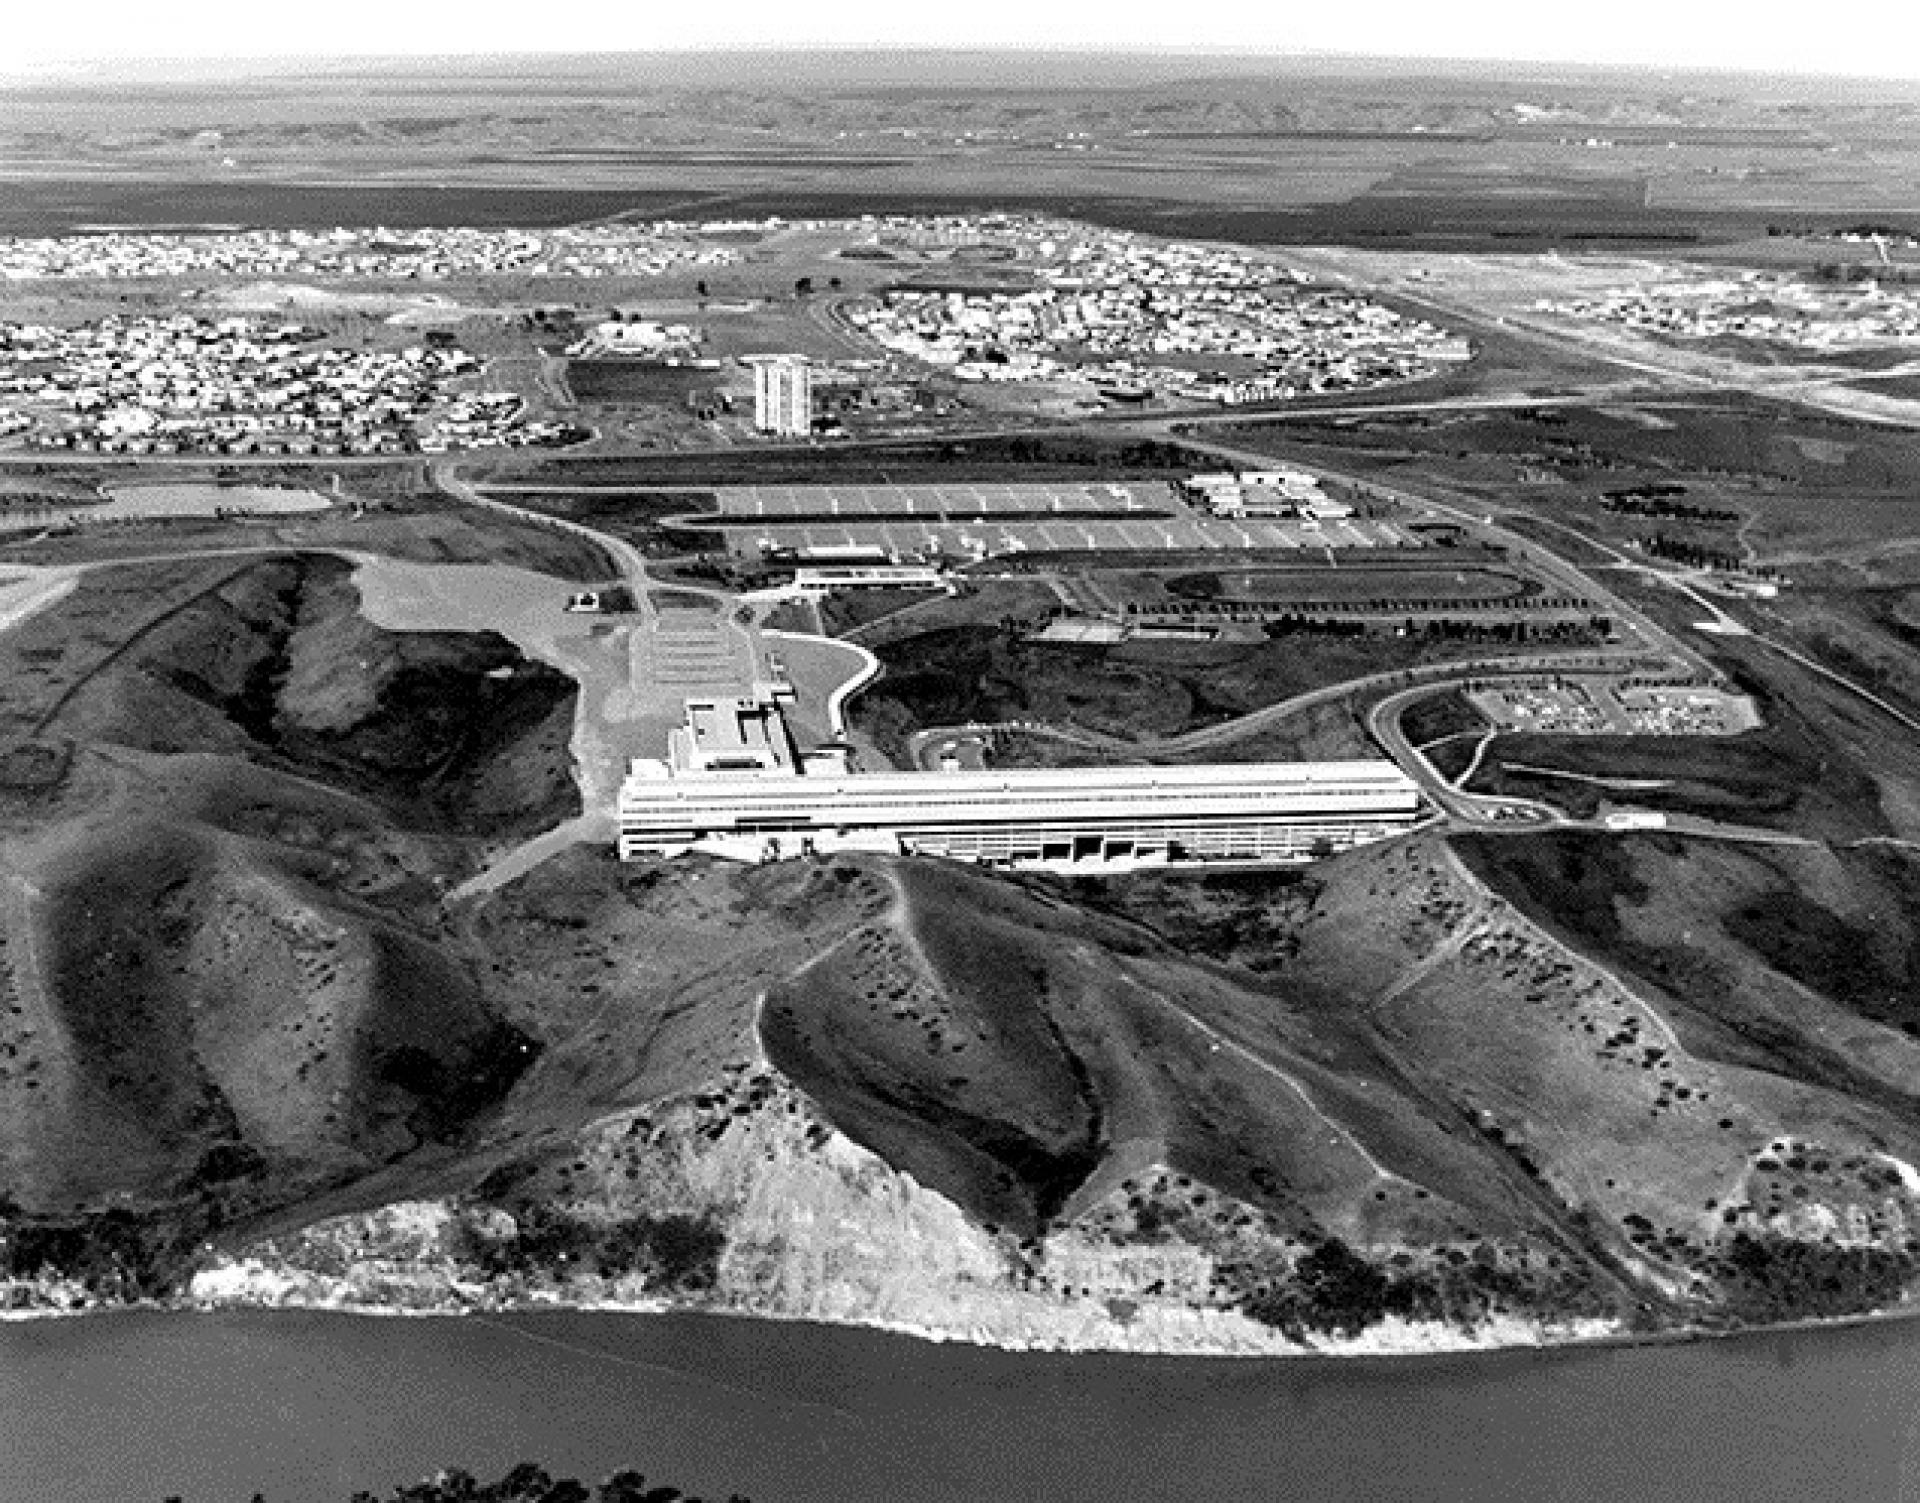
(1425, 1093)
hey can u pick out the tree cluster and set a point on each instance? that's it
(673, 1251)
(1860, 271)
(1447, 629)
(1316, 626)
(528, 1482)
(114, 1254)
(1334, 1291)
(1781, 1278)
(1698, 555)
(1658, 501)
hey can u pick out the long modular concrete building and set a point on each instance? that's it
(760, 805)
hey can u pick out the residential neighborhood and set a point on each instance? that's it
(1181, 320)
(186, 384)
(971, 313)
(429, 254)
(1755, 305)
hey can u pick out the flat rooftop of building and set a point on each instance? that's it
(843, 576)
(1247, 789)
(733, 734)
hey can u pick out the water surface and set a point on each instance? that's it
(305, 1406)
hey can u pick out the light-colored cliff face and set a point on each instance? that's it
(815, 1228)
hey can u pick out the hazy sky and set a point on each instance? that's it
(1871, 37)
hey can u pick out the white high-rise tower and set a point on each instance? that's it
(783, 395)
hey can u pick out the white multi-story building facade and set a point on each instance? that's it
(783, 395)
(734, 788)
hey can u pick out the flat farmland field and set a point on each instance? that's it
(52, 206)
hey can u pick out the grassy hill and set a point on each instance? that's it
(1431, 1085)
(229, 806)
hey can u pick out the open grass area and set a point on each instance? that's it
(272, 660)
(960, 674)
(1321, 733)
(985, 605)
(1438, 716)
(622, 382)
(1904, 386)
(1734, 438)
(50, 658)
(235, 803)
(424, 527)
(1762, 973)
(54, 207)
(1329, 732)
(1139, 690)
(1763, 778)
(849, 610)
(635, 516)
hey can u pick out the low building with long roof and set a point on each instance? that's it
(759, 802)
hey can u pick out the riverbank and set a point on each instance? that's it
(1399, 1342)
(778, 1217)
(243, 1285)
(743, 1199)
(808, 1228)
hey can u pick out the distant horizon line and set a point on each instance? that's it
(97, 67)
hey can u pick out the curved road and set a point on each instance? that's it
(1473, 809)
(1425, 679)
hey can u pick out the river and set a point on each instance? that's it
(310, 1406)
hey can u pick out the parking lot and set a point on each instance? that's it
(990, 519)
(1690, 711)
(1599, 707)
